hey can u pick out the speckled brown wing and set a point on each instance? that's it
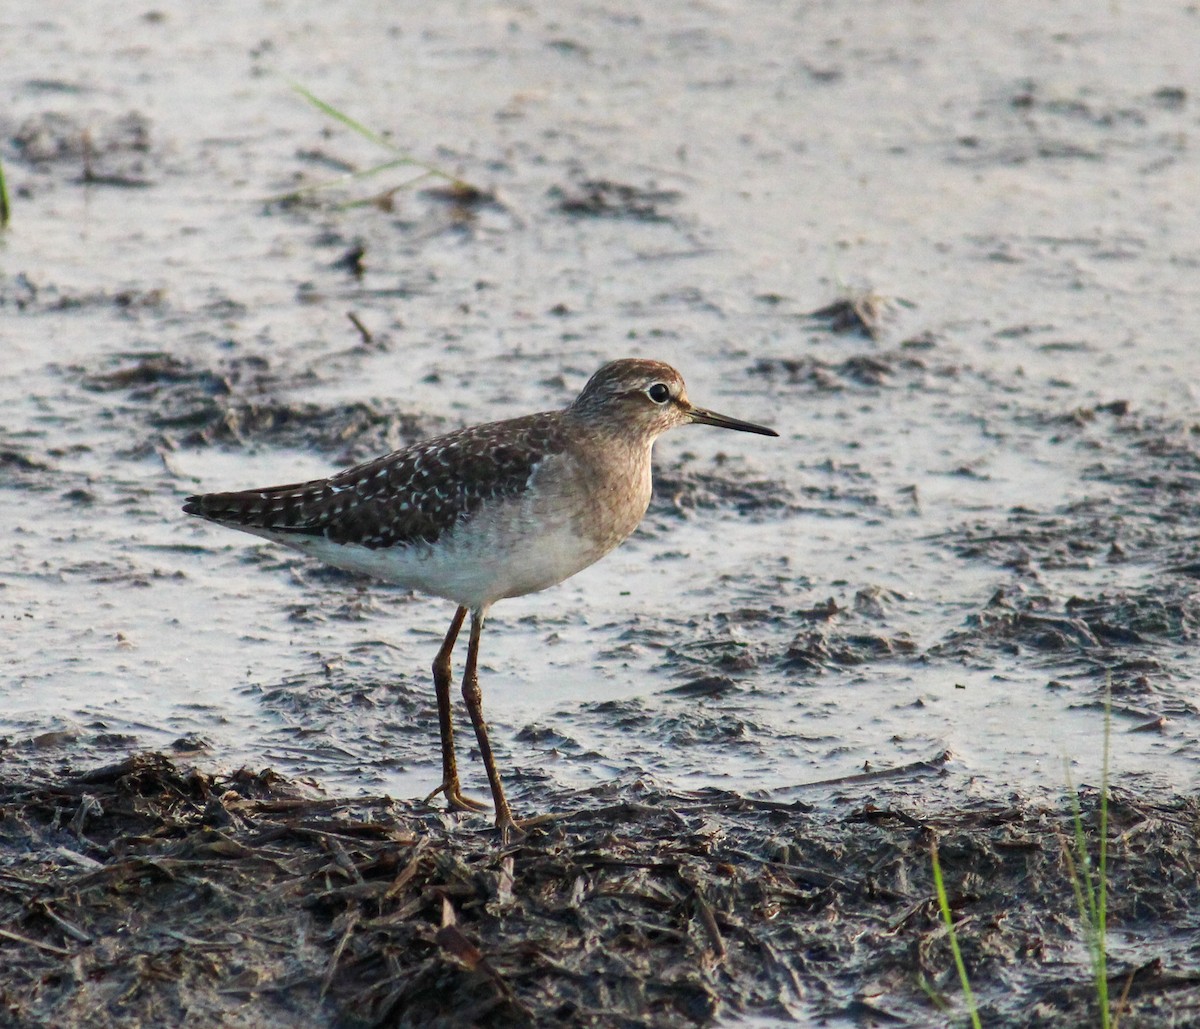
(408, 496)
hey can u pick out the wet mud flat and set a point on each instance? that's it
(150, 892)
(952, 262)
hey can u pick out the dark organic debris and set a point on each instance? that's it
(1119, 637)
(1142, 510)
(600, 198)
(13, 460)
(821, 648)
(1028, 122)
(871, 370)
(108, 151)
(352, 431)
(463, 198)
(24, 294)
(239, 402)
(1170, 97)
(142, 886)
(823, 612)
(704, 686)
(351, 259)
(365, 334)
(678, 492)
(18, 290)
(149, 369)
(865, 313)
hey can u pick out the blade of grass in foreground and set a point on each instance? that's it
(948, 918)
(366, 173)
(400, 159)
(1091, 889)
(349, 122)
(5, 210)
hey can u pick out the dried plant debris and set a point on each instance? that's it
(463, 198)
(861, 371)
(142, 890)
(107, 151)
(18, 291)
(25, 294)
(678, 492)
(242, 401)
(865, 312)
(820, 648)
(1126, 637)
(600, 198)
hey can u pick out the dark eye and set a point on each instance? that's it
(659, 393)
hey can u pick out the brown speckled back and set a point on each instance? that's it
(409, 496)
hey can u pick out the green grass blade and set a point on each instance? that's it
(5, 209)
(401, 159)
(1102, 891)
(1091, 887)
(931, 993)
(346, 120)
(948, 918)
(366, 173)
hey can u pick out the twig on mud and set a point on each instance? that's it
(815, 877)
(49, 948)
(708, 920)
(44, 908)
(363, 331)
(934, 764)
(351, 923)
(396, 886)
(452, 940)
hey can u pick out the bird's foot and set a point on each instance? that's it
(456, 800)
(511, 828)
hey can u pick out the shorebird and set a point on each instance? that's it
(485, 513)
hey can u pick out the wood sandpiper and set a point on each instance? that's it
(484, 513)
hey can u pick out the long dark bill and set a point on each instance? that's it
(698, 414)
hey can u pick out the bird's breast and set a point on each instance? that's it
(572, 513)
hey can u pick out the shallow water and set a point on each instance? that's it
(954, 485)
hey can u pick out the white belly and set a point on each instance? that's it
(474, 568)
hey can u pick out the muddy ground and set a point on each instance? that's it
(949, 251)
(147, 893)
